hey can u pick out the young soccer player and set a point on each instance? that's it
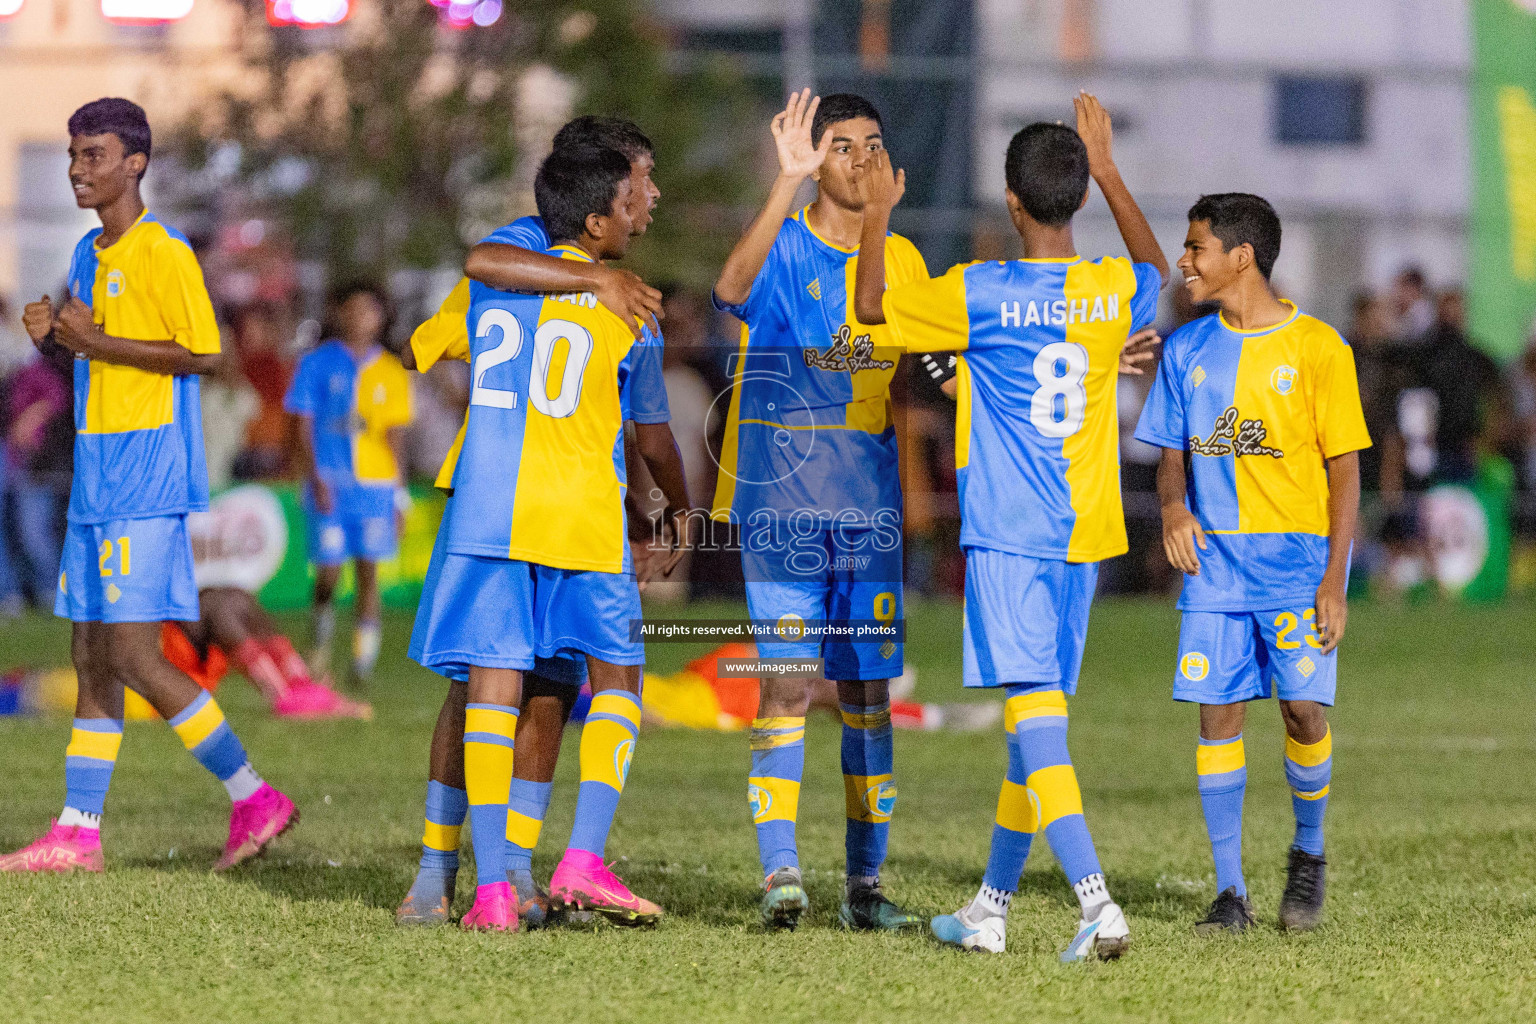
(353, 402)
(809, 470)
(1036, 443)
(515, 258)
(540, 554)
(141, 326)
(1258, 413)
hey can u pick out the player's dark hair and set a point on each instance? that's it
(330, 327)
(1047, 169)
(842, 106)
(114, 116)
(1238, 217)
(607, 133)
(575, 182)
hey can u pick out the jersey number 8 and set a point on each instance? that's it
(557, 406)
(1067, 385)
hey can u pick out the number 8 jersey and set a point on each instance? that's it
(539, 474)
(1037, 445)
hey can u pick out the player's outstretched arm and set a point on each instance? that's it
(1343, 518)
(799, 155)
(883, 186)
(304, 453)
(659, 449)
(1094, 127)
(1181, 530)
(75, 328)
(512, 268)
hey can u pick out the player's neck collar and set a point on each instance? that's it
(140, 219)
(804, 216)
(574, 250)
(1295, 312)
(1051, 259)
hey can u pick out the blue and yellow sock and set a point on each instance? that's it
(1040, 731)
(1018, 817)
(869, 788)
(207, 735)
(446, 808)
(607, 744)
(1222, 768)
(1309, 770)
(526, 807)
(488, 733)
(88, 763)
(773, 788)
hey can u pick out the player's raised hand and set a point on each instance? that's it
(799, 154)
(882, 185)
(1096, 132)
(636, 303)
(1181, 535)
(75, 327)
(1140, 349)
(37, 317)
(1332, 609)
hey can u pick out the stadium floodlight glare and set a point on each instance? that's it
(10, 7)
(145, 12)
(308, 13)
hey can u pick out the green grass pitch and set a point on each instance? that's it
(1431, 843)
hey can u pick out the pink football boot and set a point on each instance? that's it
(583, 882)
(494, 911)
(75, 848)
(254, 822)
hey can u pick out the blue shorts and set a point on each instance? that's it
(361, 524)
(841, 578)
(128, 570)
(500, 613)
(1026, 619)
(1228, 657)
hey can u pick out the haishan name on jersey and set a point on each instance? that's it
(1060, 312)
(587, 299)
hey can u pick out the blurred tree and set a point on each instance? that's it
(391, 141)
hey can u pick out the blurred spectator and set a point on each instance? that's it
(1522, 433)
(259, 335)
(1413, 311)
(1383, 373)
(1467, 387)
(36, 457)
(229, 403)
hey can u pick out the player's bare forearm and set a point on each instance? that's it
(746, 260)
(155, 356)
(512, 268)
(1140, 242)
(1182, 533)
(659, 449)
(869, 281)
(1331, 606)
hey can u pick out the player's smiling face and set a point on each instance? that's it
(643, 191)
(854, 143)
(1207, 266)
(100, 171)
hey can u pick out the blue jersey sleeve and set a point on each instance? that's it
(1149, 285)
(525, 233)
(301, 398)
(1162, 418)
(647, 388)
(764, 285)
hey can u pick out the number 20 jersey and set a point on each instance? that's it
(1036, 434)
(540, 475)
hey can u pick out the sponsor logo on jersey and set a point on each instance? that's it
(116, 283)
(1306, 666)
(1283, 380)
(1230, 437)
(1198, 376)
(815, 289)
(1194, 666)
(846, 353)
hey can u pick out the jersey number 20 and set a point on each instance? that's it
(1068, 386)
(564, 401)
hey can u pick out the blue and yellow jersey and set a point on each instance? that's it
(139, 434)
(809, 423)
(353, 405)
(1037, 445)
(539, 474)
(1258, 412)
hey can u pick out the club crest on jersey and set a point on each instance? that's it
(846, 353)
(1194, 666)
(759, 801)
(1283, 380)
(1229, 437)
(622, 755)
(116, 283)
(790, 627)
(880, 800)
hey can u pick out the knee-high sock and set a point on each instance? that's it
(204, 732)
(869, 788)
(1040, 730)
(1223, 776)
(1018, 816)
(488, 732)
(1309, 770)
(88, 763)
(773, 788)
(526, 808)
(607, 744)
(366, 637)
(446, 808)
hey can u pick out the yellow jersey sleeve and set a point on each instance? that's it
(903, 263)
(446, 334)
(929, 315)
(1336, 405)
(181, 297)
